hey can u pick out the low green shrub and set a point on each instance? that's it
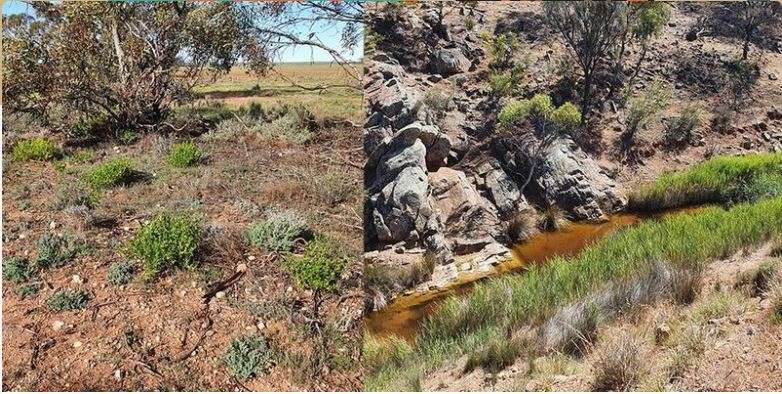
(502, 49)
(720, 179)
(56, 251)
(541, 110)
(111, 173)
(37, 148)
(68, 300)
(167, 241)
(278, 231)
(438, 102)
(185, 154)
(18, 270)
(645, 108)
(319, 267)
(120, 273)
(507, 83)
(292, 126)
(128, 137)
(248, 356)
(679, 130)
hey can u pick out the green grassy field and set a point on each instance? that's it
(504, 305)
(240, 87)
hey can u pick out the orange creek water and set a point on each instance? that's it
(404, 314)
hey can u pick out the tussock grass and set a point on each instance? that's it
(508, 303)
(719, 180)
(617, 363)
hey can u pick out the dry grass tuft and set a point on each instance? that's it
(617, 362)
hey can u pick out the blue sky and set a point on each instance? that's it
(329, 33)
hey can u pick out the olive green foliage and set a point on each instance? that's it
(56, 250)
(720, 179)
(540, 109)
(128, 137)
(167, 241)
(319, 267)
(507, 83)
(679, 130)
(502, 49)
(111, 173)
(645, 108)
(68, 300)
(652, 17)
(278, 231)
(37, 148)
(17, 270)
(248, 356)
(185, 154)
(120, 273)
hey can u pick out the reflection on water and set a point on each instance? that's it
(403, 316)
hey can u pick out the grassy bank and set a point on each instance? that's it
(503, 305)
(719, 180)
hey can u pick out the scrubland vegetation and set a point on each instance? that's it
(137, 183)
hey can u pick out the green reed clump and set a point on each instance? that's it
(723, 179)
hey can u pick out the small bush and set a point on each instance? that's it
(185, 154)
(522, 226)
(567, 116)
(319, 268)
(111, 173)
(37, 148)
(120, 273)
(644, 109)
(378, 353)
(278, 231)
(506, 84)
(167, 241)
(289, 127)
(775, 294)
(679, 130)
(248, 356)
(68, 300)
(502, 49)
(541, 110)
(128, 137)
(617, 363)
(55, 251)
(73, 194)
(17, 270)
(758, 281)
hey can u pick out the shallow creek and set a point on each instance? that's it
(402, 316)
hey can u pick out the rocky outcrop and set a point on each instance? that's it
(470, 221)
(565, 177)
(573, 181)
(450, 61)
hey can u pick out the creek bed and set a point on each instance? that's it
(404, 314)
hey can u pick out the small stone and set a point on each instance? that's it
(126, 228)
(209, 333)
(58, 325)
(52, 225)
(220, 294)
(251, 258)
(772, 76)
(76, 279)
(77, 344)
(289, 289)
(241, 267)
(662, 333)
(117, 375)
(261, 325)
